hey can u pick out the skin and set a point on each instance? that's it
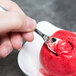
(14, 25)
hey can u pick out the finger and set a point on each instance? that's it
(28, 36)
(20, 21)
(14, 22)
(16, 40)
(5, 47)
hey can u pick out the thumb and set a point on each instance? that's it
(15, 22)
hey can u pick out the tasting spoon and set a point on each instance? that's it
(45, 37)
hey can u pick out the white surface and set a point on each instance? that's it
(28, 58)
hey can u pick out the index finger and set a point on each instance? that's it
(17, 18)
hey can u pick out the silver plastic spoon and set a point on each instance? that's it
(45, 37)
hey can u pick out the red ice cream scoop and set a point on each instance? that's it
(64, 63)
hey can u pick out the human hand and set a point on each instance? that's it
(14, 25)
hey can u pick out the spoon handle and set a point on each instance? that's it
(45, 37)
(3, 9)
(39, 32)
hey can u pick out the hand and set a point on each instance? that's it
(14, 25)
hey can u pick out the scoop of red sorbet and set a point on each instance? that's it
(65, 63)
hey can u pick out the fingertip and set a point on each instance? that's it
(5, 46)
(28, 36)
(16, 40)
(30, 25)
(5, 50)
(3, 53)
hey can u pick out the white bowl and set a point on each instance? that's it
(28, 57)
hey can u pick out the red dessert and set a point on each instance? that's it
(64, 63)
